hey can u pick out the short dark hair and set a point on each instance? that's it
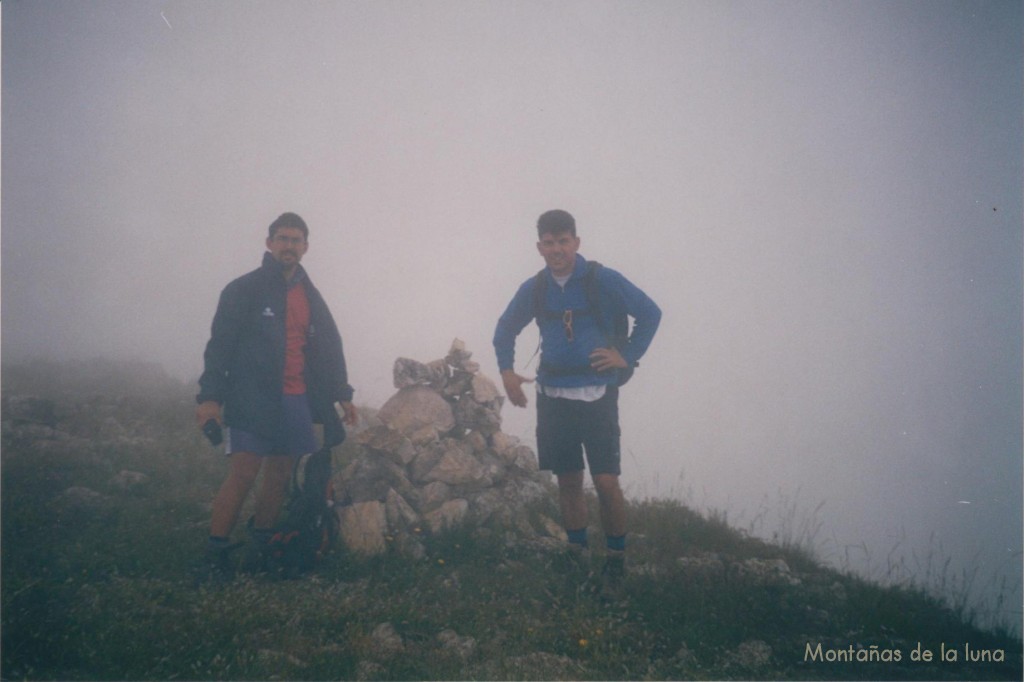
(289, 220)
(556, 221)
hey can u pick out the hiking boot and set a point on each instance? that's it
(257, 549)
(216, 567)
(613, 576)
(571, 560)
(573, 563)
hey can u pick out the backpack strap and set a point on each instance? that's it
(616, 331)
(540, 290)
(593, 290)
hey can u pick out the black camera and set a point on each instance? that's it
(213, 433)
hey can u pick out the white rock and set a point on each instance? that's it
(399, 512)
(126, 480)
(364, 527)
(484, 390)
(457, 466)
(449, 515)
(386, 640)
(463, 647)
(415, 408)
(476, 440)
(408, 372)
(553, 529)
(434, 494)
(384, 440)
(501, 441)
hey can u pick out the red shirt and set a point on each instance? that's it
(296, 326)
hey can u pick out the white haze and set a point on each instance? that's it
(823, 197)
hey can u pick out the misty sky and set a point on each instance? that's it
(823, 197)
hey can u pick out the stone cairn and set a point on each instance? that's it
(434, 457)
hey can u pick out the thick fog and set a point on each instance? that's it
(823, 197)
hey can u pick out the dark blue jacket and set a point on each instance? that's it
(244, 359)
(618, 295)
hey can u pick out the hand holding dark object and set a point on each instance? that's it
(213, 432)
(208, 418)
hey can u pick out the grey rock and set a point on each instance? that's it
(364, 527)
(408, 372)
(80, 497)
(766, 572)
(459, 357)
(501, 442)
(425, 460)
(457, 466)
(471, 415)
(399, 512)
(127, 480)
(449, 515)
(386, 640)
(370, 477)
(433, 495)
(389, 442)
(752, 655)
(463, 647)
(416, 408)
(484, 390)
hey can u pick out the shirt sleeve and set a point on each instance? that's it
(517, 315)
(645, 313)
(224, 331)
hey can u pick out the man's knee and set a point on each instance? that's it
(571, 482)
(245, 467)
(607, 485)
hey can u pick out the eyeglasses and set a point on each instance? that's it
(567, 323)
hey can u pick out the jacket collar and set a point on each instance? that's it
(578, 268)
(271, 265)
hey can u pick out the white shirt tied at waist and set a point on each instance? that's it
(585, 393)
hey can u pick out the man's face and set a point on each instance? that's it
(559, 251)
(287, 246)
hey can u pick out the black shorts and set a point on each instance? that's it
(565, 427)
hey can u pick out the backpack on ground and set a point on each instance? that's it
(310, 527)
(615, 330)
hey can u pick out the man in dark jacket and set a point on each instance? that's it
(275, 363)
(582, 362)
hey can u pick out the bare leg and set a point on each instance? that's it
(571, 500)
(612, 504)
(277, 472)
(228, 503)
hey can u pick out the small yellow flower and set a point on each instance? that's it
(441, 561)
(584, 642)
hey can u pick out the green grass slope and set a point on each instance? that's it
(97, 580)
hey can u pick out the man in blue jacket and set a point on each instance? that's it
(275, 363)
(584, 357)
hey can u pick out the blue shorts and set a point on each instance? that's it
(566, 427)
(299, 432)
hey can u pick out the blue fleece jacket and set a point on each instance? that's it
(617, 295)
